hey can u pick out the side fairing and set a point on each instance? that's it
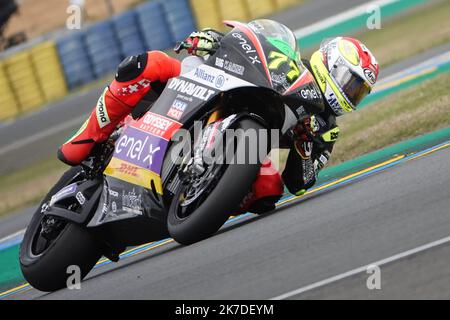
(121, 200)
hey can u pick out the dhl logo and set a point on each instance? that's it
(128, 170)
(125, 171)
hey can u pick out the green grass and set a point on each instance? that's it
(420, 109)
(411, 34)
(28, 186)
(401, 37)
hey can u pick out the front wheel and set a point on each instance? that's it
(200, 208)
(45, 257)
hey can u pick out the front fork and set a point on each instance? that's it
(194, 167)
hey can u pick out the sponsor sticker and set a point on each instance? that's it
(133, 174)
(158, 125)
(191, 89)
(309, 94)
(218, 80)
(113, 193)
(141, 149)
(177, 109)
(230, 66)
(128, 170)
(235, 68)
(64, 192)
(370, 75)
(102, 112)
(131, 202)
(80, 198)
(248, 49)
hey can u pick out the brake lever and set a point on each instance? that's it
(182, 45)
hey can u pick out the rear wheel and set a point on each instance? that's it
(200, 208)
(50, 246)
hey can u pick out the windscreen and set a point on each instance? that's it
(282, 53)
(278, 35)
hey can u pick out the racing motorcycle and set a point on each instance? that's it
(141, 186)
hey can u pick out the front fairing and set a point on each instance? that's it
(246, 53)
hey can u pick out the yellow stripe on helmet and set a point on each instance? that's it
(323, 76)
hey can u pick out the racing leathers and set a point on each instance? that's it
(311, 146)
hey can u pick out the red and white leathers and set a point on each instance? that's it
(134, 79)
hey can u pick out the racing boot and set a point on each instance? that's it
(266, 191)
(103, 120)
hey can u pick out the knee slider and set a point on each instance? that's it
(131, 68)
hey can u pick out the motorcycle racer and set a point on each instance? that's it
(344, 69)
(346, 72)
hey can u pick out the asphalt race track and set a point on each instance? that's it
(330, 233)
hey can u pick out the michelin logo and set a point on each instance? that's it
(102, 113)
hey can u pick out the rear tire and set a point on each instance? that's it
(74, 246)
(223, 200)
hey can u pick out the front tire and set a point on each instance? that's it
(73, 246)
(223, 200)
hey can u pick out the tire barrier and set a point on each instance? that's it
(8, 105)
(103, 48)
(234, 10)
(179, 17)
(154, 26)
(211, 13)
(260, 8)
(283, 4)
(128, 34)
(75, 61)
(212, 19)
(49, 72)
(24, 82)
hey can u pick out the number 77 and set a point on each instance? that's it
(277, 59)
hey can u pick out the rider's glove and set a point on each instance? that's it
(322, 161)
(201, 43)
(306, 129)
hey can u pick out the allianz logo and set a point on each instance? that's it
(218, 80)
(202, 74)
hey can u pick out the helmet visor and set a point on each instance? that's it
(353, 86)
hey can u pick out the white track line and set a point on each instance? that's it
(11, 236)
(362, 269)
(343, 16)
(43, 134)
